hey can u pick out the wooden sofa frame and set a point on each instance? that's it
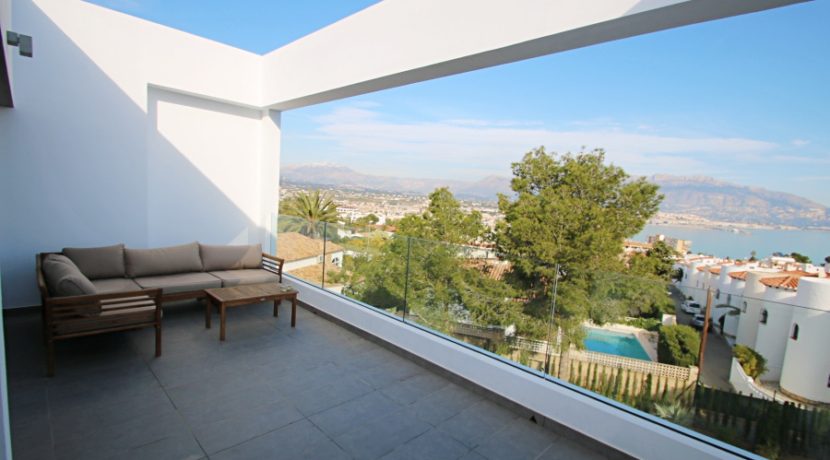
(78, 316)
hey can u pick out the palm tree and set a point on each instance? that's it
(311, 209)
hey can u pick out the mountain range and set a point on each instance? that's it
(699, 196)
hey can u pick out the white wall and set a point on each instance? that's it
(95, 152)
(771, 341)
(806, 370)
(397, 42)
(749, 321)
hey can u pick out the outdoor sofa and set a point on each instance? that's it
(87, 291)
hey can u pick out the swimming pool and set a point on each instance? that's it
(614, 343)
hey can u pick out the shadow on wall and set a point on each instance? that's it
(83, 165)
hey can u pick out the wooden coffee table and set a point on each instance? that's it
(247, 294)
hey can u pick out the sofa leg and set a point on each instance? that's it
(158, 340)
(50, 357)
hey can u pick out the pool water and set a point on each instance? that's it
(614, 343)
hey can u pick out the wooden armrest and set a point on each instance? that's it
(273, 264)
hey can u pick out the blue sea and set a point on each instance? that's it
(812, 243)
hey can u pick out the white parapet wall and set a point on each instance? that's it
(629, 431)
(743, 383)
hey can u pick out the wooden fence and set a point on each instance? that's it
(767, 427)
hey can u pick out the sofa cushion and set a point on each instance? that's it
(180, 282)
(102, 262)
(163, 261)
(110, 285)
(249, 276)
(216, 258)
(64, 278)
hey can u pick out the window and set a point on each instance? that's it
(764, 316)
(794, 336)
(717, 294)
(728, 299)
(828, 381)
(744, 307)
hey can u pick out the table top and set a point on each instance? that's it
(250, 291)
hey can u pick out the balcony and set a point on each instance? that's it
(317, 391)
(126, 131)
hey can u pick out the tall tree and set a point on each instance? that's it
(575, 211)
(443, 220)
(308, 210)
(425, 268)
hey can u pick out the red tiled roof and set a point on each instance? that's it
(493, 269)
(738, 275)
(714, 270)
(785, 280)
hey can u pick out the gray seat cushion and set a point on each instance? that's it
(64, 278)
(249, 276)
(163, 261)
(180, 282)
(216, 258)
(110, 285)
(102, 262)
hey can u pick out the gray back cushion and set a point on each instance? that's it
(231, 257)
(64, 278)
(96, 263)
(163, 261)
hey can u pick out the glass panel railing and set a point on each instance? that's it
(373, 266)
(756, 379)
(301, 243)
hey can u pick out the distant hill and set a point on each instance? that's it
(718, 200)
(700, 196)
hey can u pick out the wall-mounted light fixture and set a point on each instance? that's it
(22, 42)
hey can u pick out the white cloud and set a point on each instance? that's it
(493, 144)
(799, 142)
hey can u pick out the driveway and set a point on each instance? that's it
(717, 359)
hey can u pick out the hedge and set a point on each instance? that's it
(678, 345)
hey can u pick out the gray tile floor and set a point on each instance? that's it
(317, 391)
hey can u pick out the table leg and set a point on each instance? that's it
(293, 311)
(208, 312)
(222, 321)
(277, 307)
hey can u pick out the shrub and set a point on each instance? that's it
(678, 345)
(650, 324)
(753, 363)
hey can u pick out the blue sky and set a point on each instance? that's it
(744, 99)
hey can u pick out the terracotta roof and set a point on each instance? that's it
(714, 270)
(701, 268)
(738, 275)
(314, 273)
(295, 246)
(491, 268)
(785, 280)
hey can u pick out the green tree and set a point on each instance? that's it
(421, 268)
(444, 221)
(656, 262)
(575, 211)
(678, 345)
(369, 219)
(307, 211)
(800, 258)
